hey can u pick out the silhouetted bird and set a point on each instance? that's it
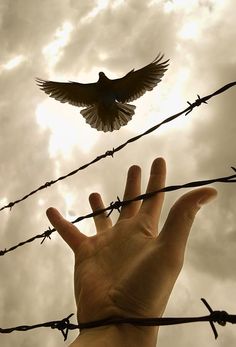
(106, 100)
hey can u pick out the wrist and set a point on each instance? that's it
(117, 336)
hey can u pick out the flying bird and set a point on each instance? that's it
(107, 100)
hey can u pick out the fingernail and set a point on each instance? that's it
(157, 165)
(158, 160)
(134, 170)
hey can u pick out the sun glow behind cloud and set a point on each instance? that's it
(53, 51)
(65, 124)
(14, 62)
(101, 5)
(190, 30)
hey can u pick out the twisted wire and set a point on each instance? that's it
(64, 325)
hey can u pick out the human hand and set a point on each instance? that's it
(129, 269)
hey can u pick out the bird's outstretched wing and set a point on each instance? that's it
(135, 83)
(77, 94)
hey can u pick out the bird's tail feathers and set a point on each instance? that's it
(122, 117)
(125, 114)
(91, 116)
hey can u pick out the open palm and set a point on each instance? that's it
(129, 269)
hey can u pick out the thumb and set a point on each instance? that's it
(181, 217)
(72, 236)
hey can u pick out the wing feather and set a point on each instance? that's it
(136, 83)
(77, 94)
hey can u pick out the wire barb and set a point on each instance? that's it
(47, 184)
(3, 251)
(47, 234)
(212, 314)
(196, 103)
(110, 152)
(63, 326)
(220, 317)
(115, 206)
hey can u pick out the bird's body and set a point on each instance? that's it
(106, 100)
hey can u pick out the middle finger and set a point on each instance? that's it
(132, 189)
(151, 208)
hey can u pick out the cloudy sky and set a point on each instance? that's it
(42, 139)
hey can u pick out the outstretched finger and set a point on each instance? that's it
(152, 207)
(72, 236)
(132, 189)
(101, 221)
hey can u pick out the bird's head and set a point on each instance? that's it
(102, 76)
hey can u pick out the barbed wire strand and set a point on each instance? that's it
(64, 325)
(186, 111)
(119, 203)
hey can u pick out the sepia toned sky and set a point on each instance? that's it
(42, 139)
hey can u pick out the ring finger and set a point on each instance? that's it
(101, 221)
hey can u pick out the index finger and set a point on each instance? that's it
(72, 236)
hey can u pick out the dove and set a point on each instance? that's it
(106, 102)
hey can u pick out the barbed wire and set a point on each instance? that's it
(199, 101)
(64, 325)
(119, 203)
